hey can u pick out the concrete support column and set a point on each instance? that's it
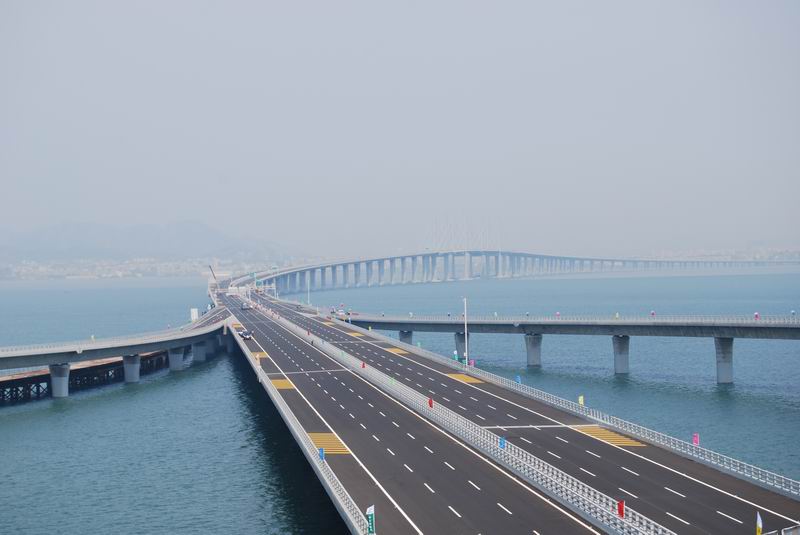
(621, 345)
(131, 365)
(357, 275)
(533, 347)
(334, 276)
(175, 356)
(391, 271)
(461, 344)
(381, 271)
(369, 274)
(724, 347)
(346, 275)
(59, 380)
(323, 283)
(407, 337)
(467, 266)
(199, 351)
(229, 343)
(425, 268)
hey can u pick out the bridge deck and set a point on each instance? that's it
(683, 495)
(438, 484)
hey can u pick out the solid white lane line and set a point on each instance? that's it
(553, 454)
(504, 508)
(454, 511)
(677, 518)
(729, 516)
(450, 466)
(588, 472)
(675, 492)
(429, 488)
(473, 484)
(629, 470)
(628, 493)
(593, 453)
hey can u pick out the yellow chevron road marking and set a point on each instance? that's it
(329, 442)
(282, 384)
(397, 351)
(464, 378)
(610, 437)
(355, 334)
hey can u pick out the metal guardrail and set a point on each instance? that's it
(99, 343)
(701, 320)
(760, 476)
(357, 520)
(586, 501)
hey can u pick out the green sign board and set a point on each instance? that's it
(371, 519)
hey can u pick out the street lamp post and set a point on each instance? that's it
(466, 336)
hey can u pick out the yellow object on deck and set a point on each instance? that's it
(610, 437)
(329, 442)
(282, 384)
(396, 350)
(464, 378)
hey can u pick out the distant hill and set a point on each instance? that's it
(171, 241)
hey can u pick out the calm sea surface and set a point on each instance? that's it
(204, 451)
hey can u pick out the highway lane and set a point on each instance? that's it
(681, 494)
(441, 484)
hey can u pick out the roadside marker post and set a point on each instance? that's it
(371, 519)
(696, 439)
(621, 508)
(322, 454)
(502, 443)
(430, 402)
(580, 400)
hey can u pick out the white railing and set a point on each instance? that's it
(588, 502)
(762, 477)
(355, 518)
(680, 320)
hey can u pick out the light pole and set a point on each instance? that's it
(308, 289)
(466, 336)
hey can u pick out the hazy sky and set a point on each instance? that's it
(358, 127)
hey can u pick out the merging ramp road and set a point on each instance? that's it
(420, 478)
(678, 493)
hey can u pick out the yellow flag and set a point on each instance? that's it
(580, 400)
(759, 527)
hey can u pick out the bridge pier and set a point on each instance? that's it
(369, 274)
(461, 344)
(199, 351)
(131, 364)
(621, 344)
(533, 347)
(407, 337)
(724, 347)
(175, 356)
(59, 380)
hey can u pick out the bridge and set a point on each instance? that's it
(374, 400)
(723, 329)
(201, 338)
(474, 263)
(413, 442)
